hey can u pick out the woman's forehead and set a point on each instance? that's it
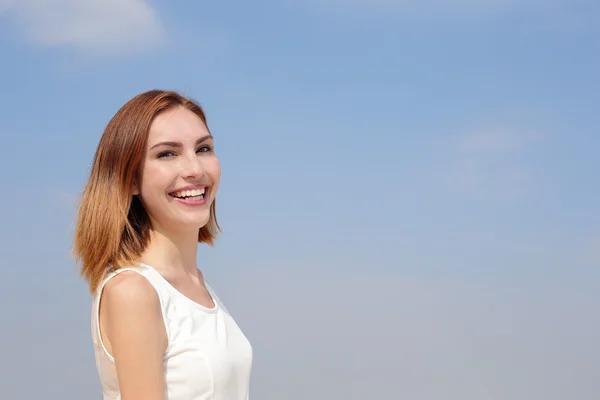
(178, 124)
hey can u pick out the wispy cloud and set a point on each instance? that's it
(63, 199)
(456, 9)
(491, 161)
(494, 141)
(6, 4)
(99, 27)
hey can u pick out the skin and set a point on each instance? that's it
(131, 322)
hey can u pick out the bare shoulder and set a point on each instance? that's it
(130, 306)
(136, 334)
(131, 290)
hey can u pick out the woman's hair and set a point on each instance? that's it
(113, 228)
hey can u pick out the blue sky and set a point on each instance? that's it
(409, 195)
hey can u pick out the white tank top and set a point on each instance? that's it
(207, 356)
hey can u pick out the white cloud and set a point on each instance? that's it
(93, 26)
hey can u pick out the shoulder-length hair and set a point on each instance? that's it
(113, 228)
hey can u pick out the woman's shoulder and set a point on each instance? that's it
(129, 289)
(131, 310)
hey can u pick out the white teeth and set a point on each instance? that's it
(189, 193)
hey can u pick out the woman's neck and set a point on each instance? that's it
(175, 253)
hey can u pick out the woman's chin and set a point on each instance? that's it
(195, 224)
(183, 222)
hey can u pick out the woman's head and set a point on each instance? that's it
(154, 169)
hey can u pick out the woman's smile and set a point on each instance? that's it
(194, 195)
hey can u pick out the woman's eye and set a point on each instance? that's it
(165, 154)
(204, 149)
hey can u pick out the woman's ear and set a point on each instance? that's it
(134, 189)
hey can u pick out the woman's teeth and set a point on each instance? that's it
(196, 194)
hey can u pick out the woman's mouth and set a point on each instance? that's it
(192, 196)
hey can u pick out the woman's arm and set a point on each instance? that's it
(134, 333)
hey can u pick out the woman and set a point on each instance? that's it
(159, 330)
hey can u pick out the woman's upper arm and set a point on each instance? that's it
(136, 332)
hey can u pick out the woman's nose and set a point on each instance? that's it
(192, 167)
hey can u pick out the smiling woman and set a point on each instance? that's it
(159, 330)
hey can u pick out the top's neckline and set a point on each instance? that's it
(208, 289)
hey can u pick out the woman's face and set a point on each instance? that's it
(180, 172)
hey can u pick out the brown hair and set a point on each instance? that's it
(113, 228)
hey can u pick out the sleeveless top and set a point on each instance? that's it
(207, 356)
